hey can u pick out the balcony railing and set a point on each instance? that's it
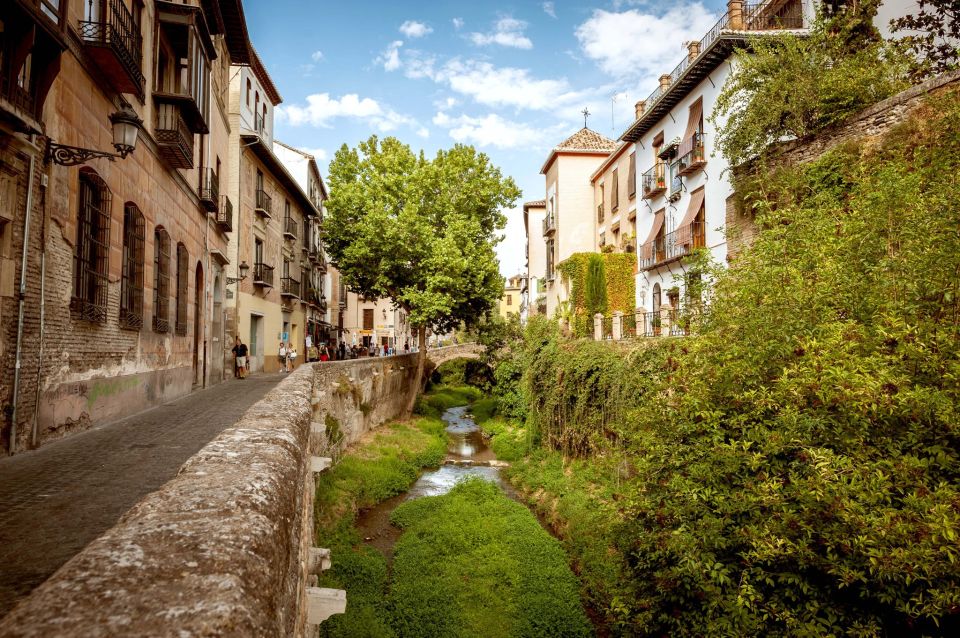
(666, 247)
(209, 190)
(225, 214)
(662, 323)
(290, 227)
(692, 154)
(289, 287)
(262, 275)
(116, 45)
(174, 137)
(264, 204)
(549, 224)
(654, 181)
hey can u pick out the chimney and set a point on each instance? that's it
(639, 108)
(735, 15)
(665, 80)
(693, 49)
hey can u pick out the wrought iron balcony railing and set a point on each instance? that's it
(114, 42)
(174, 137)
(209, 190)
(225, 214)
(290, 227)
(289, 287)
(264, 203)
(672, 246)
(654, 181)
(262, 275)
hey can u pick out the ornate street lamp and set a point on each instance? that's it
(126, 127)
(244, 269)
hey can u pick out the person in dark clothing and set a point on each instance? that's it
(341, 352)
(240, 352)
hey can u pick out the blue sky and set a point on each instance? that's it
(507, 77)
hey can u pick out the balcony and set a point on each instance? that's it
(209, 190)
(264, 204)
(667, 248)
(290, 227)
(289, 287)
(665, 322)
(114, 43)
(549, 224)
(692, 155)
(654, 181)
(183, 71)
(174, 137)
(225, 214)
(262, 275)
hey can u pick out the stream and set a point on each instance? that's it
(468, 454)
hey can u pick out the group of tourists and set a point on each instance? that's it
(287, 354)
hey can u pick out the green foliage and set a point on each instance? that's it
(932, 36)
(794, 470)
(483, 410)
(598, 283)
(442, 398)
(792, 86)
(475, 563)
(390, 209)
(510, 442)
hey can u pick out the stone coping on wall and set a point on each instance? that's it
(214, 552)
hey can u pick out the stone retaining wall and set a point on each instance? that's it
(223, 548)
(870, 124)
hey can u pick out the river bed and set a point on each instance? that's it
(468, 454)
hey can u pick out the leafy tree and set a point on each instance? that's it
(421, 232)
(937, 27)
(791, 86)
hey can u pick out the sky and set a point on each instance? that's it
(510, 78)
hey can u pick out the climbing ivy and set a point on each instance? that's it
(599, 282)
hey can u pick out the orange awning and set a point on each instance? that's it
(647, 248)
(684, 234)
(693, 125)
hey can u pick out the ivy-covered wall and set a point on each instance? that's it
(609, 279)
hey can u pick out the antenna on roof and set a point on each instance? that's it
(586, 114)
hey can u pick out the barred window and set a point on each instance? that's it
(131, 283)
(161, 281)
(90, 257)
(183, 265)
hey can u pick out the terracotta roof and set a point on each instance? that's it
(584, 141)
(587, 140)
(538, 203)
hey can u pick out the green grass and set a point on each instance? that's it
(475, 563)
(510, 442)
(443, 397)
(483, 410)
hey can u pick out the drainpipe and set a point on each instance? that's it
(22, 293)
(43, 307)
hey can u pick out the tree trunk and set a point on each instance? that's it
(417, 384)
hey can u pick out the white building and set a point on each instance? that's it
(568, 224)
(534, 298)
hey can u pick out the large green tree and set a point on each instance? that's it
(419, 231)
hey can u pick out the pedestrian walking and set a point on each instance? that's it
(342, 351)
(282, 356)
(240, 357)
(291, 357)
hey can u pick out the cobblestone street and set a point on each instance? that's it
(57, 499)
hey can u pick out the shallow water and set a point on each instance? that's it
(468, 454)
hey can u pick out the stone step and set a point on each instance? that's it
(323, 602)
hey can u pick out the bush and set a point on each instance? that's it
(442, 398)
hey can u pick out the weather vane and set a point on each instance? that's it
(586, 114)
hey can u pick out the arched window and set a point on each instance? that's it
(183, 266)
(131, 282)
(248, 92)
(161, 281)
(264, 121)
(90, 257)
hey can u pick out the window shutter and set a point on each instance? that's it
(632, 176)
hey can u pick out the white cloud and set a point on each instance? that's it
(489, 130)
(631, 44)
(320, 109)
(316, 56)
(507, 32)
(414, 29)
(549, 9)
(319, 154)
(457, 23)
(390, 58)
(423, 131)
(505, 86)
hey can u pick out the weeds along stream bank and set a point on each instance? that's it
(470, 562)
(793, 469)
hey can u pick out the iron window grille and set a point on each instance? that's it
(161, 281)
(182, 268)
(131, 283)
(90, 258)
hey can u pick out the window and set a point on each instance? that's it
(257, 251)
(600, 206)
(550, 260)
(92, 249)
(161, 281)
(615, 190)
(248, 92)
(632, 177)
(368, 318)
(131, 282)
(509, 300)
(183, 265)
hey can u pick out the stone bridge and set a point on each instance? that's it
(439, 356)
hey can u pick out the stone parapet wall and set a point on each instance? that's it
(223, 548)
(864, 127)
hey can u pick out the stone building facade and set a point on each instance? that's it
(119, 259)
